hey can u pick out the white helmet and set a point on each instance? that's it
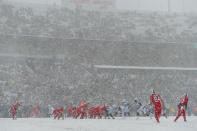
(136, 100)
(152, 91)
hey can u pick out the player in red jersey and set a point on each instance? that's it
(97, 111)
(156, 100)
(81, 110)
(71, 111)
(102, 110)
(13, 109)
(182, 107)
(91, 112)
(58, 113)
(36, 111)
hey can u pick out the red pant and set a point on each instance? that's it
(83, 114)
(69, 112)
(58, 115)
(157, 112)
(13, 111)
(181, 111)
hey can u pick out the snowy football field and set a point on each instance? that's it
(119, 124)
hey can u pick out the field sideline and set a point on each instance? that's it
(119, 124)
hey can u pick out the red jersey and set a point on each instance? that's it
(156, 100)
(103, 108)
(59, 110)
(184, 101)
(97, 109)
(37, 108)
(14, 107)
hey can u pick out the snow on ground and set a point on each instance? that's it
(119, 124)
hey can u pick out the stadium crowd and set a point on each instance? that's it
(84, 35)
(100, 25)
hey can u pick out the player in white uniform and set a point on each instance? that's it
(125, 108)
(50, 111)
(141, 109)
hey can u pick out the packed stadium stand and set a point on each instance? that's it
(51, 58)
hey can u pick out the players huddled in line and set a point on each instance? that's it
(156, 108)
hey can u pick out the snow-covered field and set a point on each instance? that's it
(119, 124)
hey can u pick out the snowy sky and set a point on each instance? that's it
(156, 5)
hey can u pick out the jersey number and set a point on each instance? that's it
(156, 99)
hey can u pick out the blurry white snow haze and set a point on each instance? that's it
(56, 52)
